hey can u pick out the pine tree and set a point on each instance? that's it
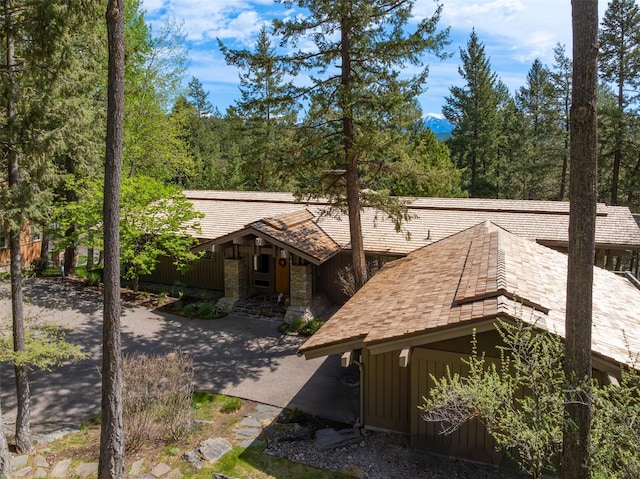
(111, 461)
(474, 110)
(38, 53)
(582, 222)
(268, 117)
(561, 77)
(620, 65)
(537, 103)
(357, 100)
(199, 98)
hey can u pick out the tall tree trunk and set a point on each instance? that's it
(44, 245)
(582, 221)
(111, 462)
(23, 433)
(71, 252)
(351, 158)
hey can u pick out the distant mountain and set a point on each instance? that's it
(439, 125)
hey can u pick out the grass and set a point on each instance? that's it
(83, 446)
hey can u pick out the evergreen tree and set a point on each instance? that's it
(37, 57)
(619, 63)
(583, 197)
(268, 117)
(359, 106)
(561, 77)
(537, 161)
(474, 111)
(111, 461)
(199, 98)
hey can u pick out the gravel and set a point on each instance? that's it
(384, 456)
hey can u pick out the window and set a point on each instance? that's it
(3, 240)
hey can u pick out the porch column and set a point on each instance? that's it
(235, 283)
(301, 284)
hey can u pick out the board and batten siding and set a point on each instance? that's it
(206, 273)
(386, 392)
(471, 441)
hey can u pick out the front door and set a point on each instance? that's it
(282, 275)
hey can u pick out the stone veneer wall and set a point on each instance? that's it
(235, 278)
(301, 284)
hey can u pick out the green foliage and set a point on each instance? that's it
(300, 327)
(46, 346)
(615, 437)
(155, 219)
(231, 404)
(474, 109)
(205, 310)
(521, 399)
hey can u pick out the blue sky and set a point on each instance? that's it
(514, 32)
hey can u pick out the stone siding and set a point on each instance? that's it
(301, 284)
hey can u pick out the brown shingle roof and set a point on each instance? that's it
(469, 279)
(433, 219)
(300, 233)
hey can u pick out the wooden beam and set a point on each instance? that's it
(405, 356)
(346, 359)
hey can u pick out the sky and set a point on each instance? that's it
(514, 34)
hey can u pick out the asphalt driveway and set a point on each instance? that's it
(240, 357)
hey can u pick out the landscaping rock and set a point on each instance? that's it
(287, 432)
(329, 438)
(174, 474)
(24, 472)
(18, 462)
(213, 449)
(160, 470)
(193, 458)
(86, 469)
(41, 461)
(136, 467)
(60, 469)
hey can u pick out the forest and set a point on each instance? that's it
(352, 131)
(281, 136)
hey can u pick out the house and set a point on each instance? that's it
(30, 243)
(416, 317)
(269, 243)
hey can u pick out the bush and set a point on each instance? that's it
(157, 395)
(231, 404)
(300, 327)
(205, 310)
(94, 276)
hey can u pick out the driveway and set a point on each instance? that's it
(236, 356)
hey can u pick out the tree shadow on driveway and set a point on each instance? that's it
(226, 352)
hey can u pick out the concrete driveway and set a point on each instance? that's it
(240, 357)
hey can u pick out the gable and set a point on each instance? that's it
(465, 282)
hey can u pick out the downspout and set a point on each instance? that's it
(360, 421)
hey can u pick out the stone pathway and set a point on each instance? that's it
(249, 429)
(246, 434)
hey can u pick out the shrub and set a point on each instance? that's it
(231, 404)
(94, 276)
(205, 310)
(157, 395)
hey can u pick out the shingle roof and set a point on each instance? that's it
(433, 219)
(473, 277)
(300, 233)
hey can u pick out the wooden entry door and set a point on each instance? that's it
(282, 275)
